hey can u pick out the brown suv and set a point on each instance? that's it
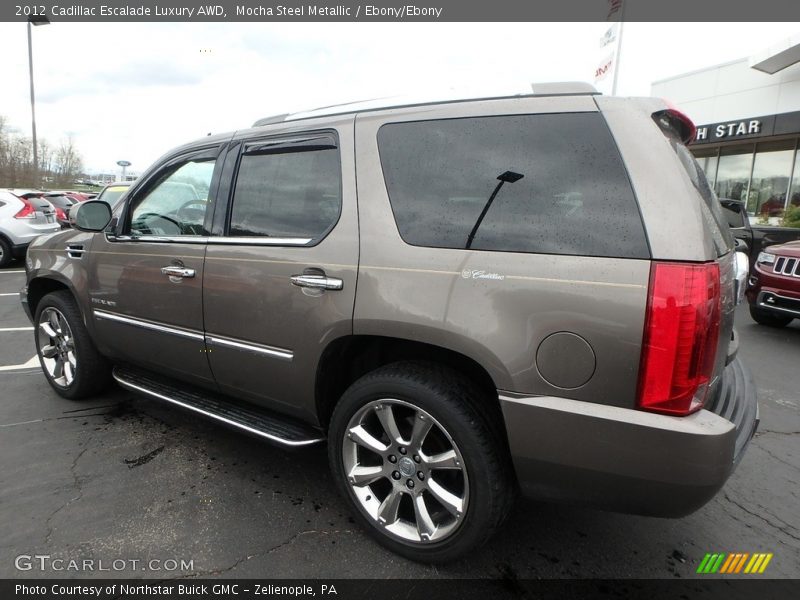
(465, 298)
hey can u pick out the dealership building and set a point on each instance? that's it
(748, 126)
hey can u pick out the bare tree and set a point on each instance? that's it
(62, 164)
(68, 162)
(45, 160)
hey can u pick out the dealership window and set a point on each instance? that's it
(765, 176)
(794, 194)
(733, 172)
(772, 169)
(708, 159)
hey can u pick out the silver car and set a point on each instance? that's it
(21, 221)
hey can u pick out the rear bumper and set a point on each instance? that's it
(628, 460)
(19, 250)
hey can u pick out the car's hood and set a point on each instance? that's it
(787, 249)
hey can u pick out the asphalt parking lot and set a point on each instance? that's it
(121, 477)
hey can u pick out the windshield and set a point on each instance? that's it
(111, 195)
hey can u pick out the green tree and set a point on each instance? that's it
(791, 217)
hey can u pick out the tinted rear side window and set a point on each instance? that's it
(553, 183)
(287, 194)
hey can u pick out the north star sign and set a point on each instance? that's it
(721, 131)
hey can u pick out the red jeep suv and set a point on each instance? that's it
(774, 290)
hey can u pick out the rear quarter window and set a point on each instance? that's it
(548, 183)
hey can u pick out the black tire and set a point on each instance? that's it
(5, 253)
(769, 318)
(474, 426)
(92, 372)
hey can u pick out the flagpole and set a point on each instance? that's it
(619, 50)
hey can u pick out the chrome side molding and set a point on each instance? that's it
(211, 340)
(281, 353)
(109, 316)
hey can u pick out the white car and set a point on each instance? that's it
(21, 221)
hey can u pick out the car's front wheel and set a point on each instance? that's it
(413, 448)
(769, 318)
(69, 359)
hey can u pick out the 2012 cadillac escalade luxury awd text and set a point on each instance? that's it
(465, 298)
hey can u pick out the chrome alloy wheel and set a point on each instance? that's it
(57, 347)
(406, 471)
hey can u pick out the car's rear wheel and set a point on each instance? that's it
(69, 359)
(412, 450)
(5, 253)
(769, 318)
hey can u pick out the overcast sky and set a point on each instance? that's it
(133, 91)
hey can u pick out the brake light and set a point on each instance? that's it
(60, 214)
(675, 121)
(28, 211)
(680, 337)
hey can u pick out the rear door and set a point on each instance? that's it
(280, 271)
(146, 281)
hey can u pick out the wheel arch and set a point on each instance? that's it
(39, 287)
(348, 358)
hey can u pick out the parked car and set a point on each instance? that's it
(753, 239)
(774, 286)
(465, 298)
(79, 196)
(21, 221)
(113, 193)
(62, 203)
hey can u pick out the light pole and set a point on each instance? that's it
(35, 21)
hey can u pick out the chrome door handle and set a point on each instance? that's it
(318, 282)
(174, 271)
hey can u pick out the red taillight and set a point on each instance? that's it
(681, 333)
(26, 212)
(674, 120)
(60, 214)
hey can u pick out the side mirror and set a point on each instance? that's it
(92, 215)
(112, 226)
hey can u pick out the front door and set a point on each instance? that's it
(279, 280)
(147, 279)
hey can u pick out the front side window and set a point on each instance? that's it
(547, 183)
(287, 194)
(178, 202)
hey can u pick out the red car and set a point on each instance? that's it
(774, 287)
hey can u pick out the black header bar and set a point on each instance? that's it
(403, 11)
